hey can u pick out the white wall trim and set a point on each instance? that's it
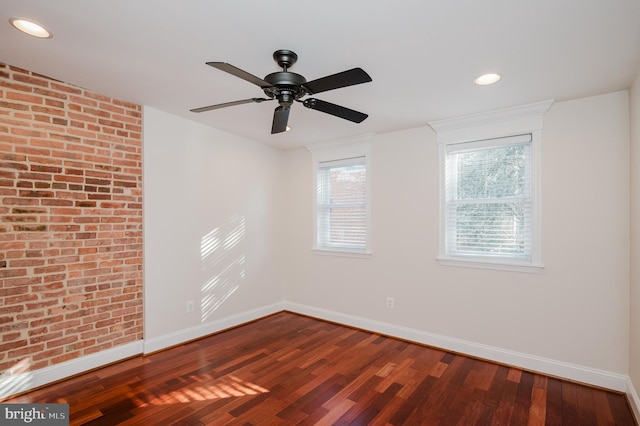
(492, 128)
(341, 148)
(201, 330)
(634, 400)
(489, 264)
(491, 124)
(19, 382)
(24, 381)
(592, 376)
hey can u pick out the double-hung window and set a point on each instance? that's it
(342, 196)
(488, 199)
(490, 215)
(341, 207)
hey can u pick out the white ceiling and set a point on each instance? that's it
(421, 54)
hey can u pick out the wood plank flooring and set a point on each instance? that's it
(288, 369)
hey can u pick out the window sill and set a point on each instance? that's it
(341, 253)
(492, 264)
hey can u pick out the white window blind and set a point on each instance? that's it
(488, 199)
(342, 204)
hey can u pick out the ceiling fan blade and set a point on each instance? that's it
(342, 79)
(280, 119)
(333, 109)
(228, 104)
(228, 68)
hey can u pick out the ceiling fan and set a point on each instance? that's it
(287, 87)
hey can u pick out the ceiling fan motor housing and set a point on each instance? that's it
(286, 87)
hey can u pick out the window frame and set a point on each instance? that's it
(450, 249)
(494, 125)
(324, 205)
(341, 152)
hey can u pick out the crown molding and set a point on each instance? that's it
(491, 124)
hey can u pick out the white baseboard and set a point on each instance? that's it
(201, 330)
(19, 382)
(634, 400)
(604, 379)
(24, 381)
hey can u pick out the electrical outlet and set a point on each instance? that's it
(190, 306)
(390, 302)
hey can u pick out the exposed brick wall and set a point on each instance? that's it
(70, 220)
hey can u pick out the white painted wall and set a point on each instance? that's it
(575, 311)
(211, 202)
(204, 187)
(634, 352)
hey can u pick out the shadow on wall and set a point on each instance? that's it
(223, 263)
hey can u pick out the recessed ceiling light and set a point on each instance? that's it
(486, 79)
(30, 27)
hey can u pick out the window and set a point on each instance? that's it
(342, 214)
(341, 207)
(488, 199)
(490, 214)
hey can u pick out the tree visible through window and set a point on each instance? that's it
(490, 165)
(488, 198)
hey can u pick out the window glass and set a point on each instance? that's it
(341, 204)
(488, 198)
(490, 188)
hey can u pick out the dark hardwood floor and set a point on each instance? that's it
(288, 369)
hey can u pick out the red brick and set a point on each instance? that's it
(30, 150)
(10, 273)
(39, 194)
(96, 96)
(67, 231)
(20, 218)
(53, 278)
(50, 93)
(26, 351)
(26, 263)
(13, 105)
(48, 354)
(36, 331)
(5, 347)
(4, 310)
(62, 341)
(23, 298)
(23, 97)
(15, 284)
(12, 326)
(30, 79)
(8, 337)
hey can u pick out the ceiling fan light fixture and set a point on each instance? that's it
(29, 27)
(487, 79)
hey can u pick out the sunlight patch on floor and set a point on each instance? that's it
(225, 387)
